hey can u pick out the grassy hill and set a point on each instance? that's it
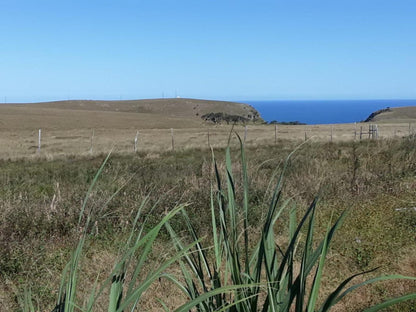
(156, 113)
(394, 115)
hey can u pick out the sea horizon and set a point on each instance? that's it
(323, 111)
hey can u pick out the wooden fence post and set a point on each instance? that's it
(208, 138)
(245, 133)
(275, 134)
(331, 132)
(92, 141)
(355, 131)
(361, 133)
(173, 140)
(135, 141)
(39, 139)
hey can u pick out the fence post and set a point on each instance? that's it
(92, 140)
(135, 141)
(355, 131)
(39, 139)
(173, 140)
(275, 134)
(208, 138)
(331, 132)
(245, 133)
(306, 137)
(361, 132)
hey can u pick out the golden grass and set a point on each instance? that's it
(406, 114)
(175, 107)
(63, 141)
(67, 127)
(141, 114)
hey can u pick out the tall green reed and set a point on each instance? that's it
(230, 276)
(233, 276)
(129, 278)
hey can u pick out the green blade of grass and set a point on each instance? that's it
(116, 291)
(335, 297)
(317, 279)
(200, 250)
(226, 289)
(188, 257)
(175, 281)
(130, 298)
(91, 187)
(301, 290)
(164, 306)
(391, 302)
(128, 254)
(91, 302)
(245, 204)
(294, 288)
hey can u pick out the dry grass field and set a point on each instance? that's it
(398, 114)
(144, 114)
(40, 200)
(55, 142)
(73, 127)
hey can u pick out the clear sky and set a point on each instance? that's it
(233, 50)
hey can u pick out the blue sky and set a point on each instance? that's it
(233, 50)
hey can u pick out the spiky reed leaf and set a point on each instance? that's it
(122, 297)
(237, 279)
(265, 279)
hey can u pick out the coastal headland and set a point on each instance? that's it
(79, 127)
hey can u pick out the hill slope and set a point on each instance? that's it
(394, 115)
(173, 107)
(157, 113)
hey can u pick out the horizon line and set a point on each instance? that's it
(212, 99)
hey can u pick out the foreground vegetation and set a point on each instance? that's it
(41, 202)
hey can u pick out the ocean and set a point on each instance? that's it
(323, 112)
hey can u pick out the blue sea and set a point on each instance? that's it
(323, 112)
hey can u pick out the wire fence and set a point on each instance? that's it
(52, 142)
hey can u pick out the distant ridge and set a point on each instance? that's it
(374, 114)
(178, 107)
(128, 114)
(394, 114)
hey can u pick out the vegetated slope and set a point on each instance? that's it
(181, 107)
(156, 113)
(395, 114)
(374, 180)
